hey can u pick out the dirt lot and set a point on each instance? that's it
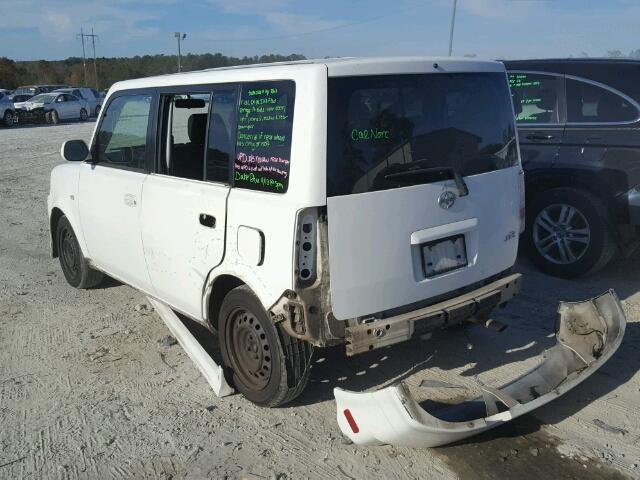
(87, 390)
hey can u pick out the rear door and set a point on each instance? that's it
(401, 229)
(184, 201)
(539, 105)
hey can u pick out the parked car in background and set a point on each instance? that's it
(20, 100)
(54, 107)
(578, 123)
(36, 89)
(89, 95)
(7, 110)
(5, 91)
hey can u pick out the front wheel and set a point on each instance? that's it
(55, 118)
(75, 266)
(83, 115)
(9, 118)
(567, 233)
(270, 368)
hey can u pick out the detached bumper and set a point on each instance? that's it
(587, 334)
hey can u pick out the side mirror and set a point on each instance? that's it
(74, 150)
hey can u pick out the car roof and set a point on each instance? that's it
(335, 67)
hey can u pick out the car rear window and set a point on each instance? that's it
(392, 131)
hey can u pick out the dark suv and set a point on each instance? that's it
(579, 134)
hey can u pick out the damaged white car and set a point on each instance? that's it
(301, 205)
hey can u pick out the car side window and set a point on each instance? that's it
(263, 139)
(220, 149)
(122, 137)
(588, 103)
(185, 118)
(60, 99)
(538, 97)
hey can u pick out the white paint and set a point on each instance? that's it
(179, 251)
(211, 371)
(110, 219)
(250, 245)
(375, 261)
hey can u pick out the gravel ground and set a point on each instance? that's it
(88, 391)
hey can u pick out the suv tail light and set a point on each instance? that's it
(522, 200)
(306, 247)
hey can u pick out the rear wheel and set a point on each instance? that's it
(567, 233)
(98, 110)
(270, 368)
(55, 119)
(9, 118)
(75, 266)
(83, 115)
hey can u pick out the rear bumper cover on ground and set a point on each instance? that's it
(587, 334)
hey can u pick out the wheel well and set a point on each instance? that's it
(543, 184)
(56, 213)
(221, 286)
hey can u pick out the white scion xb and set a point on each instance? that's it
(299, 205)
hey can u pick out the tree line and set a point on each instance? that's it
(111, 70)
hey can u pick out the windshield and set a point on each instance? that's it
(43, 98)
(392, 131)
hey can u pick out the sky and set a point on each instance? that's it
(47, 29)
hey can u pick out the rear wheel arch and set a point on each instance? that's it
(219, 289)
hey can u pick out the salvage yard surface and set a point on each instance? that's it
(90, 387)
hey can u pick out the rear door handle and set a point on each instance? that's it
(207, 220)
(537, 136)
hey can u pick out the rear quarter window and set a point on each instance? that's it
(263, 141)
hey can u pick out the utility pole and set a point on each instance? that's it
(84, 56)
(95, 62)
(180, 36)
(453, 23)
(84, 60)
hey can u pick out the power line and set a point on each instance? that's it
(93, 37)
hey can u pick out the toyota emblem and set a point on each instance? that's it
(447, 199)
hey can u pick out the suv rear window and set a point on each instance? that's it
(393, 131)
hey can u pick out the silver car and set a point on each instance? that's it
(7, 110)
(59, 106)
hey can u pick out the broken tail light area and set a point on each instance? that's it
(587, 335)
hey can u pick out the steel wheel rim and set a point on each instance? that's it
(249, 349)
(69, 251)
(561, 234)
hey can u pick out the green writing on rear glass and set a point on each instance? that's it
(369, 134)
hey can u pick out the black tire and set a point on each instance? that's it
(588, 252)
(97, 112)
(278, 368)
(9, 119)
(83, 115)
(55, 119)
(75, 266)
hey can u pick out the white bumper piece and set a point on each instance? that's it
(587, 334)
(198, 355)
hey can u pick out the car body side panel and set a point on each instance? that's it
(63, 194)
(273, 215)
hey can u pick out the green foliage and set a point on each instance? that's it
(111, 70)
